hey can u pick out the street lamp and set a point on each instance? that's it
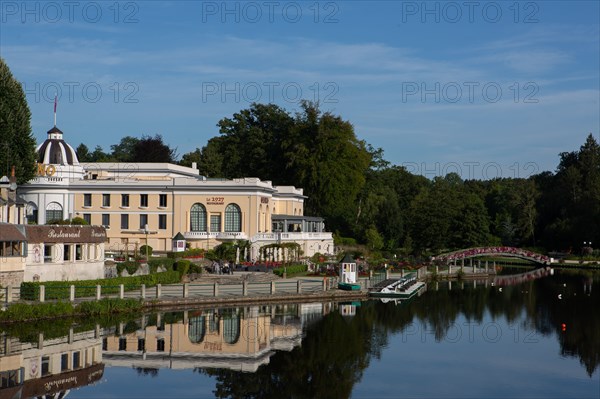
(146, 232)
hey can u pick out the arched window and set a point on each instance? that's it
(197, 329)
(233, 218)
(54, 211)
(198, 218)
(231, 329)
(31, 213)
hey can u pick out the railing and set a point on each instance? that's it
(204, 235)
(280, 236)
(172, 291)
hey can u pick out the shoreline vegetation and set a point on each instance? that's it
(26, 312)
(61, 308)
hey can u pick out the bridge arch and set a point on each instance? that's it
(505, 252)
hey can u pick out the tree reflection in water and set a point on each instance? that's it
(336, 350)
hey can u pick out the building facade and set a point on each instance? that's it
(151, 203)
(50, 253)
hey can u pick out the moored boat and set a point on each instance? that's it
(403, 288)
(349, 287)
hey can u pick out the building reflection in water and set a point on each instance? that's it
(49, 368)
(239, 339)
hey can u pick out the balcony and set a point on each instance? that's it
(204, 235)
(299, 236)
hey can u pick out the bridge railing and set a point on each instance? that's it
(493, 251)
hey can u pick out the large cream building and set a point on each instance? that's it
(154, 202)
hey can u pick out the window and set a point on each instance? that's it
(78, 252)
(105, 219)
(144, 200)
(197, 329)
(104, 344)
(122, 344)
(160, 345)
(215, 222)
(143, 220)
(105, 199)
(87, 199)
(54, 212)
(12, 248)
(11, 378)
(162, 222)
(47, 253)
(64, 362)
(67, 252)
(76, 360)
(124, 221)
(45, 365)
(162, 200)
(125, 200)
(198, 218)
(87, 217)
(233, 218)
(141, 344)
(32, 214)
(231, 329)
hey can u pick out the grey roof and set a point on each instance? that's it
(348, 259)
(178, 237)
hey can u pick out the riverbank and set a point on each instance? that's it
(332, 295)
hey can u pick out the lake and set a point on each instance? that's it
(521, 338)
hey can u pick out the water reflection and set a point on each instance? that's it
(331, 350)
(240, 339)
(50, 367)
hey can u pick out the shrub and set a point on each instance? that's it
(157, 262)
(182, 267)
(188, 253)
(22, 311)
(290, 270)
(143, 250)
(130, 265)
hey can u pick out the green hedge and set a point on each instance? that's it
(87, 288)
(192, 252)
(291, 270)
(24, 312)
(155, 263)
(182, 266)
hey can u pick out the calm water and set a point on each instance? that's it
(538, 338)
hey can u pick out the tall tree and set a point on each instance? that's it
(251, 144)
(153, 149)
(17, 144)
(125, 150)
(190, 157)
(83, 153)
(328, 160)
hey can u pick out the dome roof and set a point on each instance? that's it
(55, 150)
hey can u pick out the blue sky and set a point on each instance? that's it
(483, 88)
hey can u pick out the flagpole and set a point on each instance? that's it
(55, 100)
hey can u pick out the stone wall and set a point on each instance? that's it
(14, 278)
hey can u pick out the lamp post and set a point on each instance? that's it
(146, 232)
(587, 248)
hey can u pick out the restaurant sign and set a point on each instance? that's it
(66, 234)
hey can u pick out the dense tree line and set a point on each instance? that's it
(384, 206)
(130, 149)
